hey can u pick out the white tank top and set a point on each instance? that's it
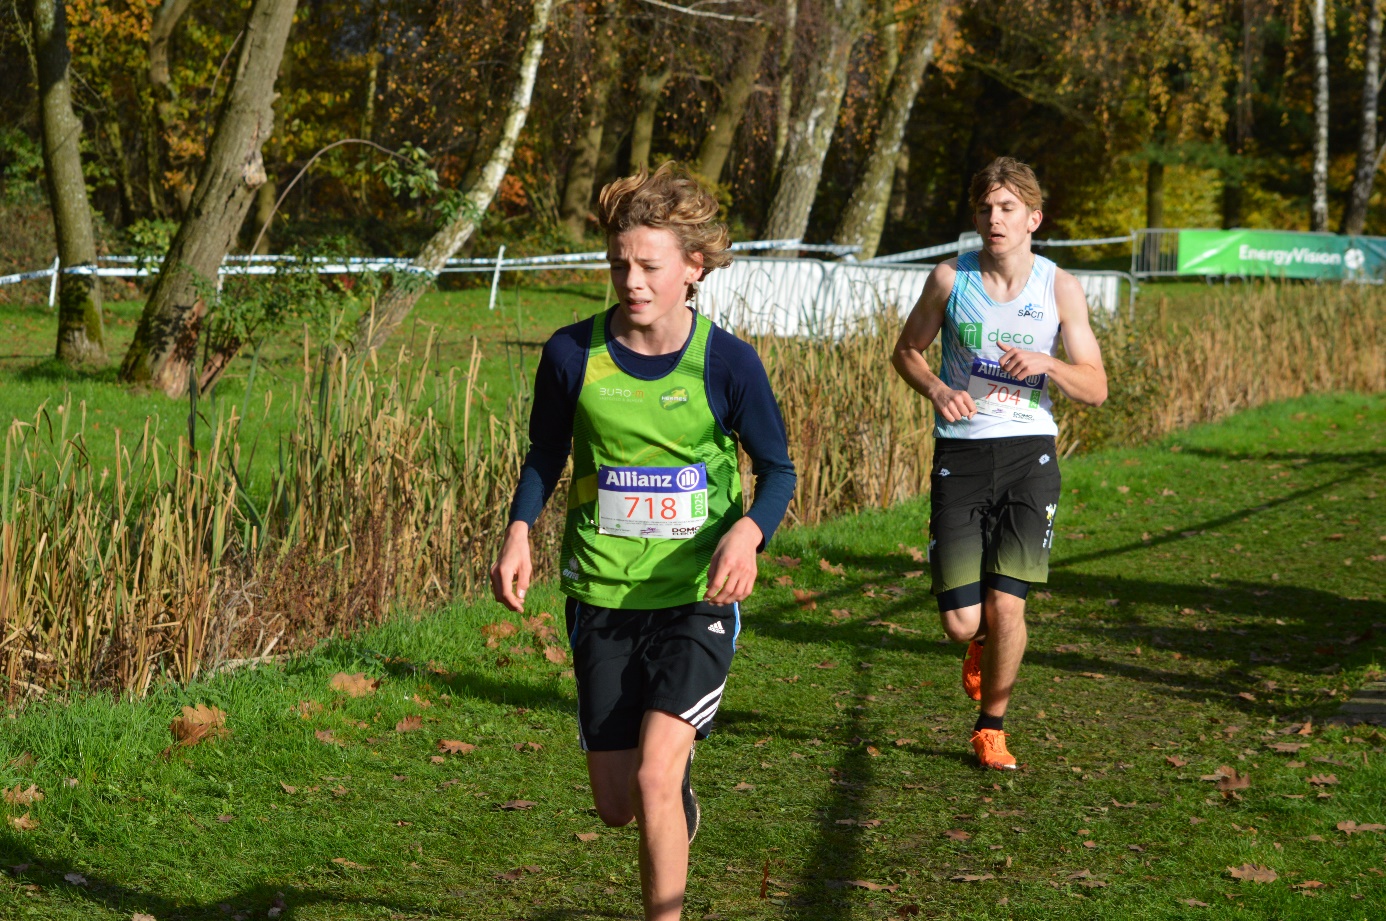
(974, 328)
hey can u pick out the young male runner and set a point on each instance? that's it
(652, 398)
(995, 480)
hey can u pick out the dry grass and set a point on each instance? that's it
(393, 491)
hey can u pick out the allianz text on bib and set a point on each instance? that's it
(664, 502)
(996, 393)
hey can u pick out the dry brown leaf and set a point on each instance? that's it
(18, 796)
(1350, 827)
(874, 887)
(873, 751)
(915, 553)
(1195, 903)
(840, 613)
(784, 580)
(198, 723)
(1232, 780)
(744, 787)
(1176, 760)
(833, 569)
(1290, 747)
(306, 708)
(957, 834)
(1309, 884)
(325, 736)
(1306, 729)
(357, 685)
(23, 822)
(350, 865)
(788, 562)
(409, 724)
(1323, 780)
(1096, 676)
(511, 875)
(556, 654)
(454, 747)
(22, 762)
(518, 805)
(971, 878)
(805, 598)
(586, 837)
(1253, 872)
(826, 664)
(903, 742)
(499, 630)
(288, 789)
(141, 916)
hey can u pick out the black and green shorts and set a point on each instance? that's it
(992, 524)
(627, 662)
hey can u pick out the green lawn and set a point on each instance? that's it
(1213, 598)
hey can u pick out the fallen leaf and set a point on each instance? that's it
(915, 553)
(957, 834)
(306, 708)
(1233, 780)
(586, 837)
(874, 887)
(1290, 747)
(18, 796)
(556, 654)
(1176, 760)
(1247, 695)
(454, 747)
(288, 789)
(326, 736)
(223, 819)
(22, 762)
(1323, 780)
(437, 759)
(840, 613)
(873, 751)
(198, 723)
(409, 724)
(516, 805)
(1089, 844)
(788, 562)
(784, 580)
(826, 664)
(23, 822)
(1350, 827)
(1306, 729)
(834, 569)
(357, 685)
(499, 630)
(903, 742)
(904, 911)
(805, 598)
(350, 865)
(512, 875)
(744, 787)
(1097, 676)
(1195, 903)
(1309, 884)
(141, 916)
(1253, 872)
(971, 878)
(1195, 820)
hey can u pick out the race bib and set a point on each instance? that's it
(996, 393)
(667, 502)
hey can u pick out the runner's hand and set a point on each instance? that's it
(952, 405)
(1021, 364)
(512, 570)
(732, 573)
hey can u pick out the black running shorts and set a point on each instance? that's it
(993, 502)
(629, 661)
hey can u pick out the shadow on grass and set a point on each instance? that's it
(251, 902)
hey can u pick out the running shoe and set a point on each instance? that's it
(990, 746)
(691, 810)
(972, 670)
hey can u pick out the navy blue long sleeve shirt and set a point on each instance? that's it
(738, 391)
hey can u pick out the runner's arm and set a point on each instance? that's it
(1082, 377)
(921, 329)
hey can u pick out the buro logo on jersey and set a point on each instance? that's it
(972, 335)
(620, 393)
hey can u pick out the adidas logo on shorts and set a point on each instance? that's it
(716, 627)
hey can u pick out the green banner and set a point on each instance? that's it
(1280, 254)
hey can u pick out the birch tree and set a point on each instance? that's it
(840, 23)
(165, 342)
(394, 306)
(81, 339)
(864, 217)
(1355, 216)
(1318, 208)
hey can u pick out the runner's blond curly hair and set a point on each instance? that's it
(673, 199)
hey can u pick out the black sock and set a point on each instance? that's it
(988, 722)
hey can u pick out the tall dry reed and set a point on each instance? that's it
(393, 490)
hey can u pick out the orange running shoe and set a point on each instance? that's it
(972, 670)
(990, 746)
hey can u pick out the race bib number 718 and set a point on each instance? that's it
(663, 502)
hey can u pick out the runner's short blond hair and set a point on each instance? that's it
(671, 199)
(1009, 173)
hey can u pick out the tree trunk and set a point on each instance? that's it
(1241, 123)
(642, 132)
(81, 339)
(1318, 213)
(582, 170)
(157, 119)
(1154, 194)
(815, 121)
(165, 342)
(864, 217)
(899, 188)
(785, 105)
(1355, 217)
(889, 37)
(712, 153)
(265, 197)
(396, 303)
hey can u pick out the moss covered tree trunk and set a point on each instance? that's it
(712, 153)
(165, 342)
(81, 339)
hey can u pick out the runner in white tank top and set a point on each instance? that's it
(995, 478)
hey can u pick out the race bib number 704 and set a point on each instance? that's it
(996, 393)
(665, 502)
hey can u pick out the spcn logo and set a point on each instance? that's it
(971, 335)
(671, 399)
(1031, 311)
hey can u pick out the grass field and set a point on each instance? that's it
(1213, 598)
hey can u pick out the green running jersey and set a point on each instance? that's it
(648, 458)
